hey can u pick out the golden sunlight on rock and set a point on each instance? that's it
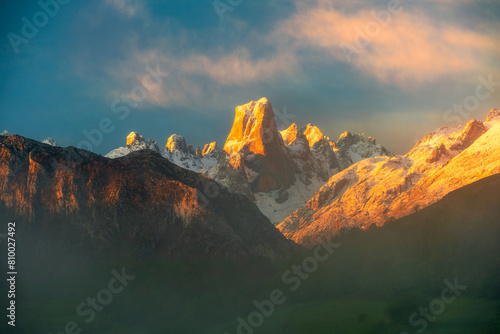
(132, 137)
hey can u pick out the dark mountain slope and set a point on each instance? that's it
(135, 205)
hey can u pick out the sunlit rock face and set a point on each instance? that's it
(289, 135)
(313, 134)
(137, 205)
(211, 149)
(176, 143)
(176, 150)
(256, 149)
(180, 153)
(375, 190)
(135, 139)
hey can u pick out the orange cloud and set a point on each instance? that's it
(405, 47)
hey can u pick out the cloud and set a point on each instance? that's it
(127, 7)
(406, 48)
(238, 68)
(197, 78)
(410, 49)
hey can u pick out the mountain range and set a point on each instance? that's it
(196, 202)
(278, 170)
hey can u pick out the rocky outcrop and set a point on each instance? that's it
(176, 143)
(256, 150)
(351, 148)
(211, 150)
(472, 131)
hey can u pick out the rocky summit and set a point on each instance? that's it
(255, 148)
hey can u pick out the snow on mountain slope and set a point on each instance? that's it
(49, 141)
(352, 148)
(379, 189)
(177, 151)
(135, 142)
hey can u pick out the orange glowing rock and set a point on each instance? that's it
(256, 148)
(132, 137)
(253, 128)
(290, 135)
(313, 134)
(209, 148)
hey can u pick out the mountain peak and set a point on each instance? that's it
(313, 134)
(254, 128)
(493, 114)
(49, 141)
(289, 135)
(176, 143)
(256, 149)
(210, 148)
(347, 139)
(134, 138)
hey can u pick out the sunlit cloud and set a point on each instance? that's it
(405, 48)
(238, 67)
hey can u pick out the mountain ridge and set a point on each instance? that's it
(278, 170)
(139, 204)
(376, 190)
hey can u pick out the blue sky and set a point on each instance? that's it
(390, 69)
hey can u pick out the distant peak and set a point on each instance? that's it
(313, 134)
(177, 143)
(347, 139)
(493, 114)
(49, 141)
(289, 135)
(134, 138)
(210, 148)
(5, 133)
(345, 134)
